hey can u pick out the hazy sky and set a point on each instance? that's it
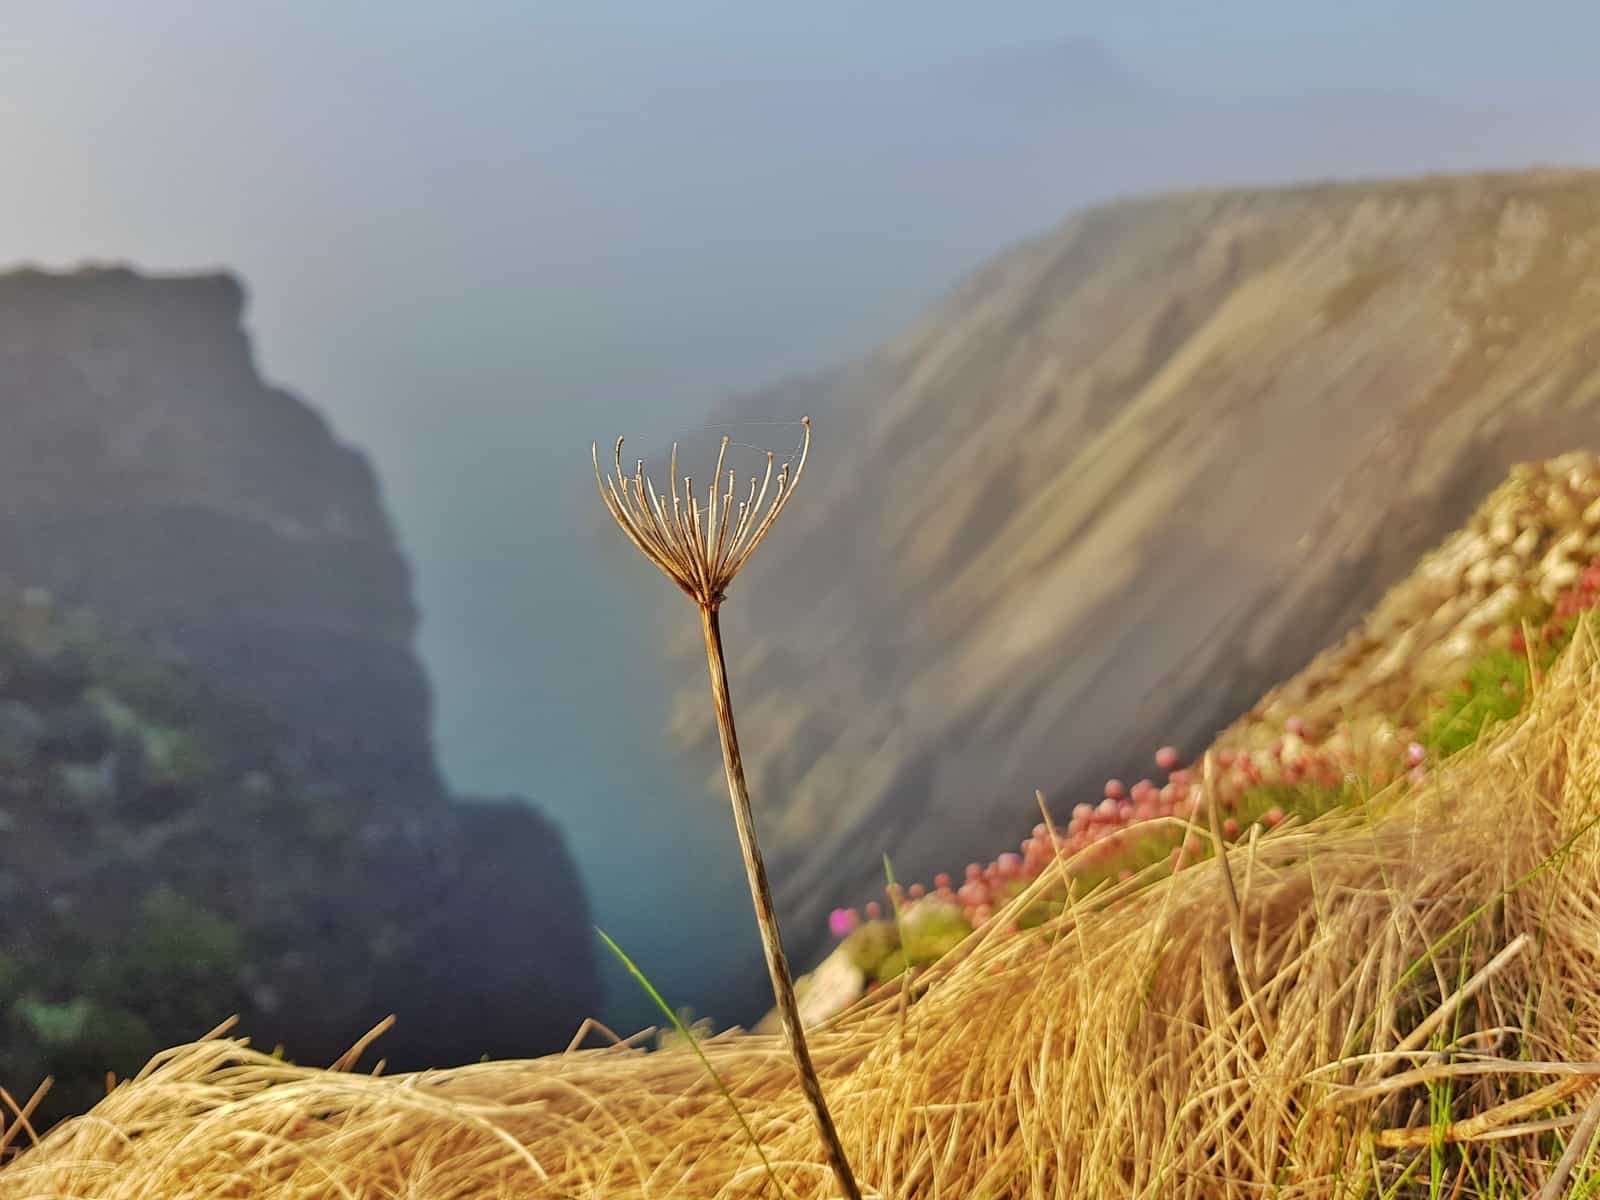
(479, 235)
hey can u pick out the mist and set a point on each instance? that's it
(480, 242)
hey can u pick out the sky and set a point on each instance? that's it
(478, 236)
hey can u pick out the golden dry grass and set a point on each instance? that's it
(1444, 939)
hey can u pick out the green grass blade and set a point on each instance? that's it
(694, 1044)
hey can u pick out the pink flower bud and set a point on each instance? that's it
(1115, 790)
(1167, 758)
(874, 910)
(842, 921)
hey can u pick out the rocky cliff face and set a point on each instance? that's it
(1123, 480)
(210, 694)
(150, 474)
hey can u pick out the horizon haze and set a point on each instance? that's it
(478, 242)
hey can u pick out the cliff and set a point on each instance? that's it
(1120, 482)
(218, 725)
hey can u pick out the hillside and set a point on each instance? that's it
(1120, 482)
(215, 733)
(1393, 994)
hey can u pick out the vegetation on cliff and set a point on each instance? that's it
(216, 748)
(1389, 993)
(1123, 480)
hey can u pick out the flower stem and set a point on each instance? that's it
(766, 916)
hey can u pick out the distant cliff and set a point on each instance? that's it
(149, 473)
(195, 561)
(1120, 482)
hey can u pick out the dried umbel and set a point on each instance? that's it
(701, 548)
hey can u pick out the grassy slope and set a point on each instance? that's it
(1402, 1002)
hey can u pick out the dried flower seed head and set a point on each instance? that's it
(699, 547)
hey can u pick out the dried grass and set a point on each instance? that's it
(1112, 1053)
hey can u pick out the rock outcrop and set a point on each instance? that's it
(216, 766)
(1123, 480)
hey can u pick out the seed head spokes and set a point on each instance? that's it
(699, 547)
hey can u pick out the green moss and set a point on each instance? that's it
(134, 679)
(870, 944)
(54, 1025)
(934, 930)
(176, 756)
(889, 966)
(1303, 800)
(1494, 690)
(178, 934)
(82, 1037)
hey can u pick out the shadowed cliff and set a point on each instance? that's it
(192, 559)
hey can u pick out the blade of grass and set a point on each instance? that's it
(694, 1044)
(905, 946)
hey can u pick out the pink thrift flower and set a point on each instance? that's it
(1007, 865)
(1167, 758)
(1115, 790)
(842, 921)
